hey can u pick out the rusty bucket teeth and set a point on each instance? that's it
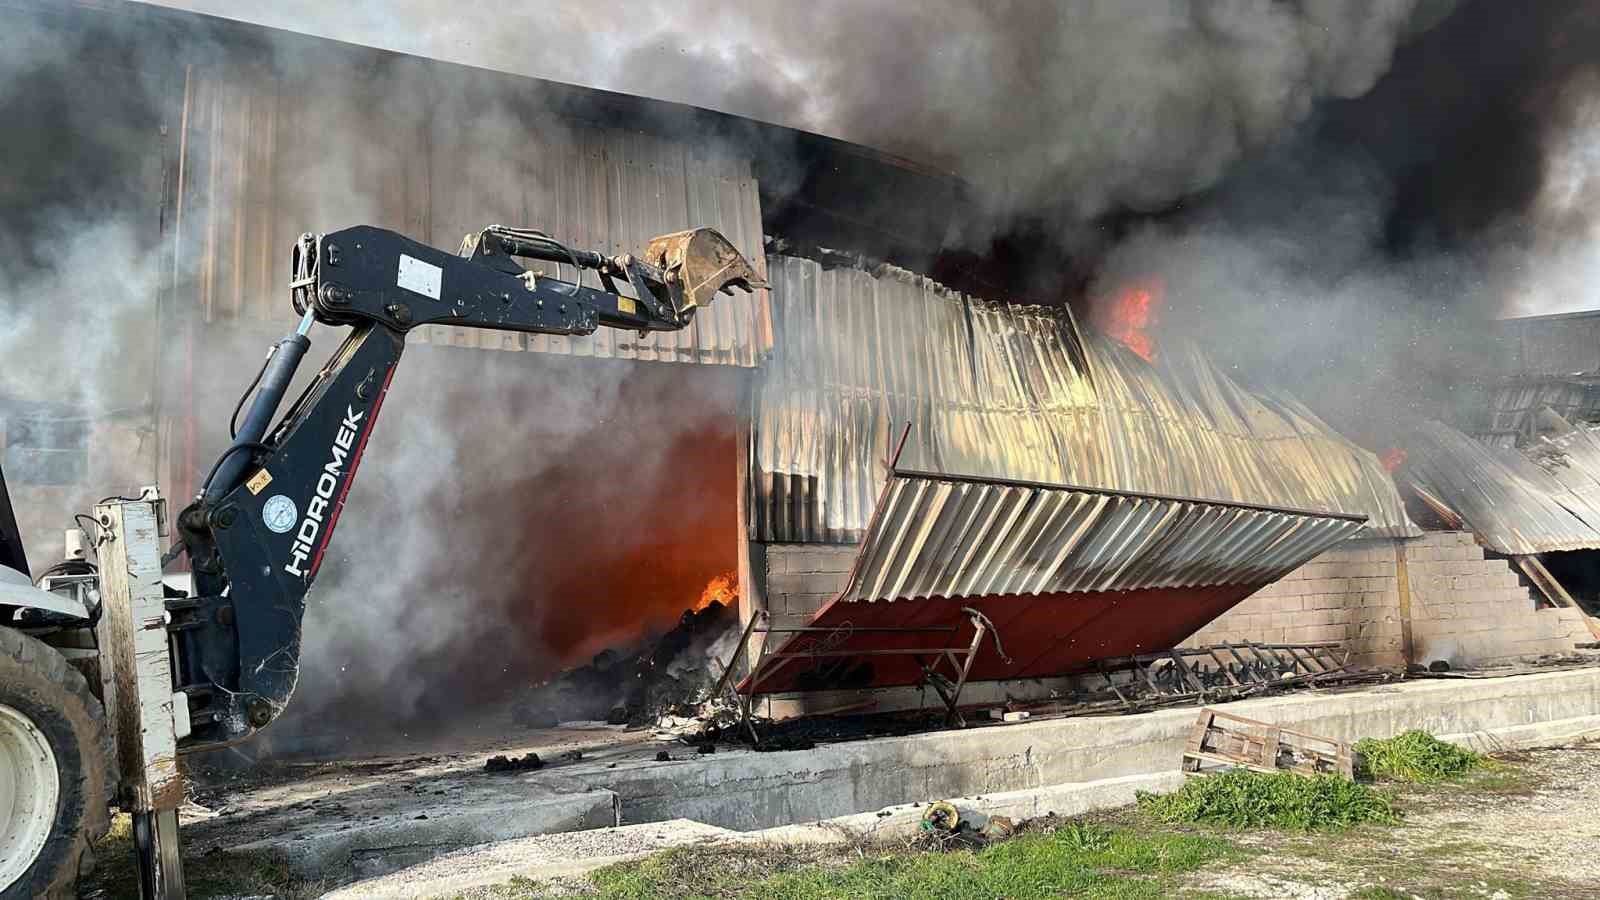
(702, 263)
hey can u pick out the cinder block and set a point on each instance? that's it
(1323, 617)
(1286, 604)
(807, 582)
(804, 605)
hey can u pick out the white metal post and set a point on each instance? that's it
(136, 671)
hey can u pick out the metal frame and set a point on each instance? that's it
(1247, 668)
(960, 659)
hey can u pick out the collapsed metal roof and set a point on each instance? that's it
(935, 536)
(1060, 576)
(1515, 404)
(1014, 394)
(1544, 497)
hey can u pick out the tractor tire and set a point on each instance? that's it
(54, 771)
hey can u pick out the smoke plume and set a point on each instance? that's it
(1058, 111)
(1337, 195)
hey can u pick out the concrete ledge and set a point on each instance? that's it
(1522, 737)
(569, 856)
(1066, 766)
(334, 847)
(905, 821)
(747, 791)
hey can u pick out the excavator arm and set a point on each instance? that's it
(258, 532)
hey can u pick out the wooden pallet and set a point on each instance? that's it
(1230, 740)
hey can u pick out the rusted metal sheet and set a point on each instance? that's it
(1063, 575)
(434, 152)
(1541, 499)
(1042, 635)
(1008, 392)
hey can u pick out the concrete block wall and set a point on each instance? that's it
(1472, 610)
(1350, 594)
(801, 578)
(1465, 608)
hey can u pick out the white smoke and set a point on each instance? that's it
(1062, 111)
(1555, 267)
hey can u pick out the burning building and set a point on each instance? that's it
(864, 447)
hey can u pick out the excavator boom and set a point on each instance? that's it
(259, 530)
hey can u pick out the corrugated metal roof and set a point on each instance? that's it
(426, 151)
(1551, 345)
(1006, 392)
(1515, 403)
(933, 536)
(1516, 502)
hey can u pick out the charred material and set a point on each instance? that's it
(669, 677)
(529, 762)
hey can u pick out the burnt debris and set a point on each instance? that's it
(671, 676)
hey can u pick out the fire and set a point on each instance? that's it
(1393, 459)
(722, 589)
(1129, 317)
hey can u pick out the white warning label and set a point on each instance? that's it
(419, 277)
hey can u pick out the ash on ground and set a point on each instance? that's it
(665, 683)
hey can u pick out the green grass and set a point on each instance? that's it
(1418, 757)
(1240, 798)
(1075, 861)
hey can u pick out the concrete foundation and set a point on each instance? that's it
(1439, 703)
(1028, 768)
(339, 826)
(746, 791)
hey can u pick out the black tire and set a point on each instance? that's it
(38, 682)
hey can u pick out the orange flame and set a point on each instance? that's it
(1393, 459)
(722, 589)
(1128, 318)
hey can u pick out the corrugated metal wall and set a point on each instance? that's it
(1013, 393)
(434, 152)
(1553, 345)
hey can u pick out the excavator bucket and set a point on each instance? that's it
(702, 263)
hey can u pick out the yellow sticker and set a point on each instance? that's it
(627, 305)
(259, 481)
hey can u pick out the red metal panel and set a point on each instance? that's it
(1045, 636)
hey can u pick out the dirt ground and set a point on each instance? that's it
(1530, 829)
(1527, 829)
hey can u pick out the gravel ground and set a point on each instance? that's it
(547, 857)
(1528, 830)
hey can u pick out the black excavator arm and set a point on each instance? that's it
(258, 532)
